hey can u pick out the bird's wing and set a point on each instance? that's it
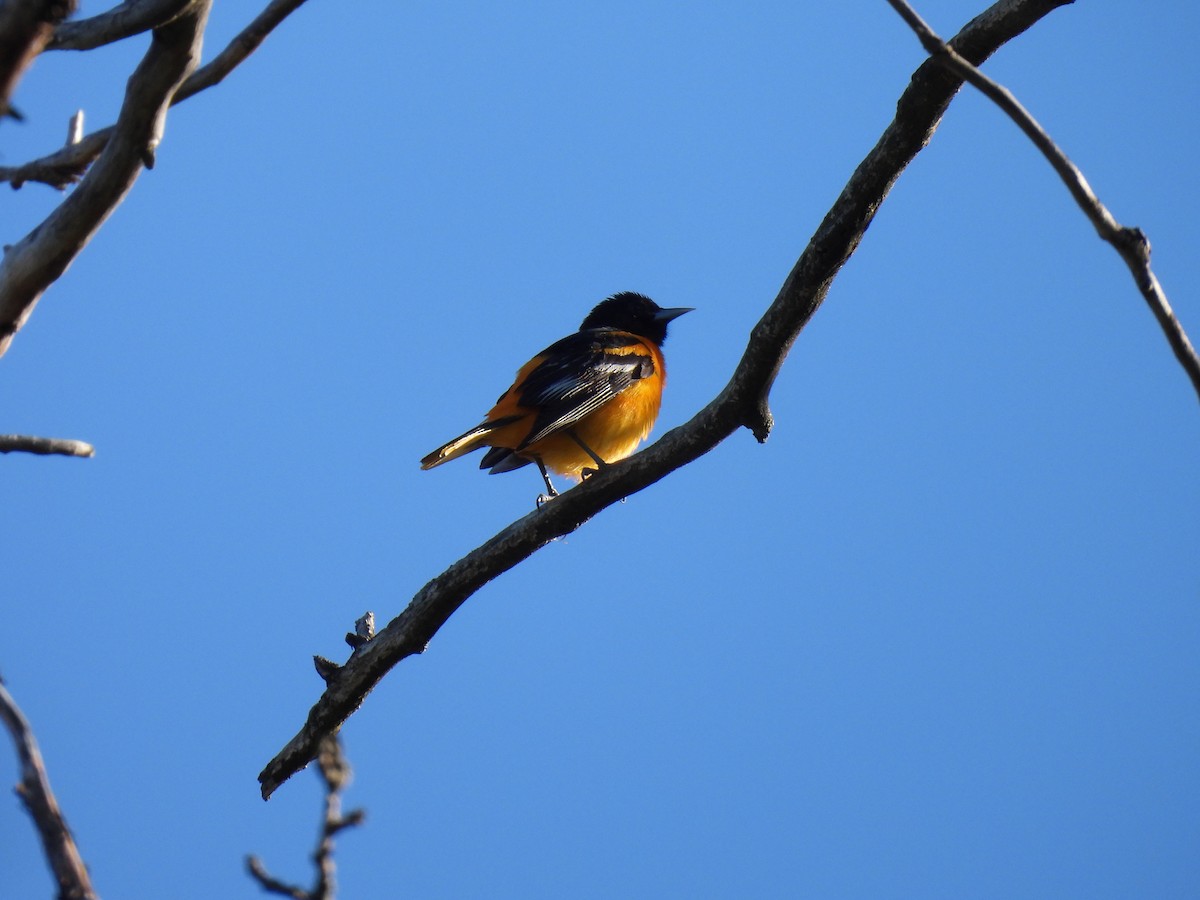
(579, 374)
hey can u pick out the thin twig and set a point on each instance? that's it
(34, 790)
(742, 403)
(246, 42)
(1130, 243)
(335, 773)
(271, 884)
(22, 443)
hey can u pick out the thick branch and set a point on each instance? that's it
(1130, 243)
(743, 402)
(25, 28)
(34, 790)
(21, 443)
(130, 18)
(34, 263)
(66, 166)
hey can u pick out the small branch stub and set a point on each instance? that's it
(75, 128)
(326, 668)
(364, 630)
(761, 423)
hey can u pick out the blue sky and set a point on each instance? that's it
(936, 638)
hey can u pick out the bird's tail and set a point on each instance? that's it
(465, 443)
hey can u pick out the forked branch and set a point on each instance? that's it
(335, 774)
(113, 157)
(66, 166)
(1130, 243)
(40, 258)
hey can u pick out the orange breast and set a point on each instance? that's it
(613, 431)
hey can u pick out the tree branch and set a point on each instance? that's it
(129, 18)
(247, 41)
(61, 168)
(34, 790)
(20, 443)
(41, 257)
(335, 773)
(66, 166)
(742, 403)
(1130, 243)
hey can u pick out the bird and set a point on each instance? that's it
(584, 402)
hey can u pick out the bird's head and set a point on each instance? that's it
(635, 313)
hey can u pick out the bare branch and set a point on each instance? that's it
(20, 443)
(742, 403)
(34, 790)
(25, 28)
(1130, 243)
(270, 884)
(41, 257)
(66, 166)
(246, 42)
(63, 167)
(335, 773)
(130, 18)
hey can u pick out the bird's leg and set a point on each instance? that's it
(600, 463)
(551, 493)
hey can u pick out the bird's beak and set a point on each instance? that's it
(666, 315)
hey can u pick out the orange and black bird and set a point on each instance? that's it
(583, 402)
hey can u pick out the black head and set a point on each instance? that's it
(634, 313)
